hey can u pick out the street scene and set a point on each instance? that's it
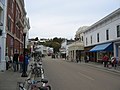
(59, 45)
(64, 75)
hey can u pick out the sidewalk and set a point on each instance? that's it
(9, 79)
(101, 66)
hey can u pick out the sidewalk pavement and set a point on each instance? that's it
(9, 79)
(100, 66)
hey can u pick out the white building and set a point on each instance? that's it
(104, 36)
(64, 47)
(42, 49)
(75, 49)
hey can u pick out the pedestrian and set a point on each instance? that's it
(114, 62)
(21, 58)
(86, 58)
(77, 59)
(26, 61)
(105, 60)
(11, 62)
(15, 61)
(7, 61)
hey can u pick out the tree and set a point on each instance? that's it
(55, 43)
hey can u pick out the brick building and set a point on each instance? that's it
(15, 25)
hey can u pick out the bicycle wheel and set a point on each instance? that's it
(20, 86)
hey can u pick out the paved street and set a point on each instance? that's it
(64, 75)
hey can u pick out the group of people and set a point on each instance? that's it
(109, 61)
(17, 62)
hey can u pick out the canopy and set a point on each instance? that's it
(102, 47)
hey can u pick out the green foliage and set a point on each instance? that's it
(55, 43)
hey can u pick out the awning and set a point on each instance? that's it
(102, 47)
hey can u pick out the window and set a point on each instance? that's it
(86, 41)
(82, 38)
(107, 34)
(97, 37)
(10, 4)
(91, 39)
(118, 30)
(9, 24)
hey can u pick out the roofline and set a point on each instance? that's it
(105, 18)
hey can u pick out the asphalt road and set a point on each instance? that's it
(64, 75)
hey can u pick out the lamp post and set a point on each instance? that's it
(24, 74)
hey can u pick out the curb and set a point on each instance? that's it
(99, 66)
(108, 69)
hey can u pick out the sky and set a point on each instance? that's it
(62, 18)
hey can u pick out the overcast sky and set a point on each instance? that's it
(62, 18)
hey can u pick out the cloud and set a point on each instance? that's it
(62, 18)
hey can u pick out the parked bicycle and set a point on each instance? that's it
(34, 85)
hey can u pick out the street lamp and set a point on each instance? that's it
(24, 74)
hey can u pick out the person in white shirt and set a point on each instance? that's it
(7, 61)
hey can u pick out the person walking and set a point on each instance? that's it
(114, 62)
(105, 60)
(86, 58)
(7, 61)
(15, 61)
(26, 62)
(21, 58)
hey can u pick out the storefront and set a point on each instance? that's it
(117, 50)
(75, 52)
(92, 55)
(101, 50)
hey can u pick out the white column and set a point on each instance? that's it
(3, 44)
(114, 47)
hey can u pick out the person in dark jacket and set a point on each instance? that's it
(15, 61)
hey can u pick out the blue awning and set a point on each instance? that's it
(102, 47)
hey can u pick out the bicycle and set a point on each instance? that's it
(37, 69)
(34, 85)
(20, 86)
